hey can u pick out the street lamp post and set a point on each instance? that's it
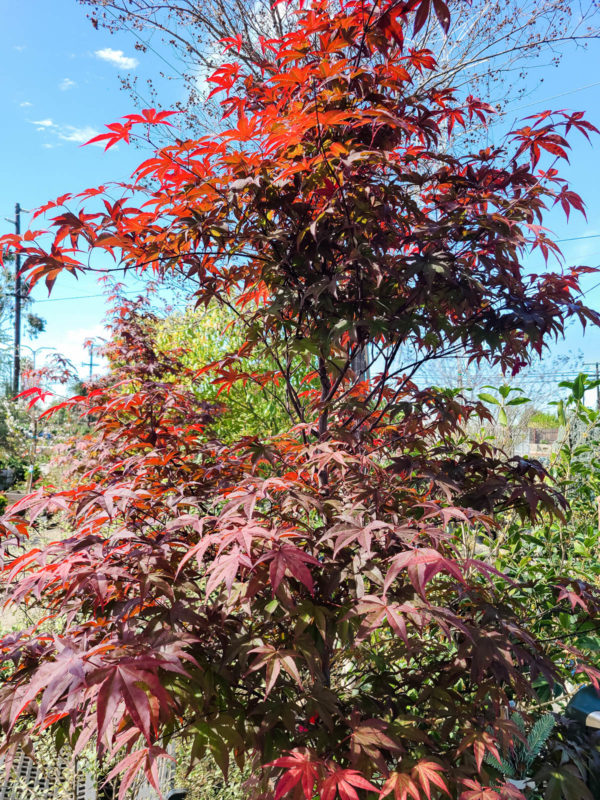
(36, 351)
(27, 347)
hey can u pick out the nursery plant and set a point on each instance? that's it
(517, 762)
(300, 601)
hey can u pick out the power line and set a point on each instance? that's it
(591, 289)
(553, 97)
(137, 291)
(147, 44)
(579, 238)
(76, 297)
(89, 296)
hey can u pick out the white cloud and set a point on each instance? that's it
(69, 343)
(117, 58)
(72, 342)
(19, 47)
(72, 347)
(48, 146)
(65, 84)
(69, 133)
(26, 104)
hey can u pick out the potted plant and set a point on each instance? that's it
(516, 762)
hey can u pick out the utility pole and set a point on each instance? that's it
(17, 357)
(598, 400)
(360, 365)
(459, 369)
(90, 363)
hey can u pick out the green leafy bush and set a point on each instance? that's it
(20, 466)
(543, 419)
(205, 781)
(518, 759)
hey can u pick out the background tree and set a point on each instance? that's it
(203, 336)
(15, 423)
(304, 602)
(489, 43)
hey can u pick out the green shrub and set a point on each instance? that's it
(517, 760)
(542, 419)
(20, 467)
(205, 781)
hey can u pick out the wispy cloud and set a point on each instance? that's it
(25, 104)
(46, 125)
(66, 84)
(117, 58)
(19, 47)
(70, 133)
(66, 133)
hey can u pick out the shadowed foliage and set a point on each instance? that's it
(301, 599)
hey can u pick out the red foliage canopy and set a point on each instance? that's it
(305, 599)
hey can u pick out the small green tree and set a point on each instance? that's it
(200, 337)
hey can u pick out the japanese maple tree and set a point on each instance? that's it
(304, 600)
(488, 43)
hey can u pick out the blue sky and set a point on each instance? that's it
(60, 85)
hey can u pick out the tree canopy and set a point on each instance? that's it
(303, 600)
(486, 44)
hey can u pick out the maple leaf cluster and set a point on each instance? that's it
(304, 598)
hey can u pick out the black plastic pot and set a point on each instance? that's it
(584, 708)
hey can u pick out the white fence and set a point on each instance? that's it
(31, 780)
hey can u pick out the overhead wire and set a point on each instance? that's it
(552, 97)
(145, 42)
(579, 238)
(86, 296)
(136, 291)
